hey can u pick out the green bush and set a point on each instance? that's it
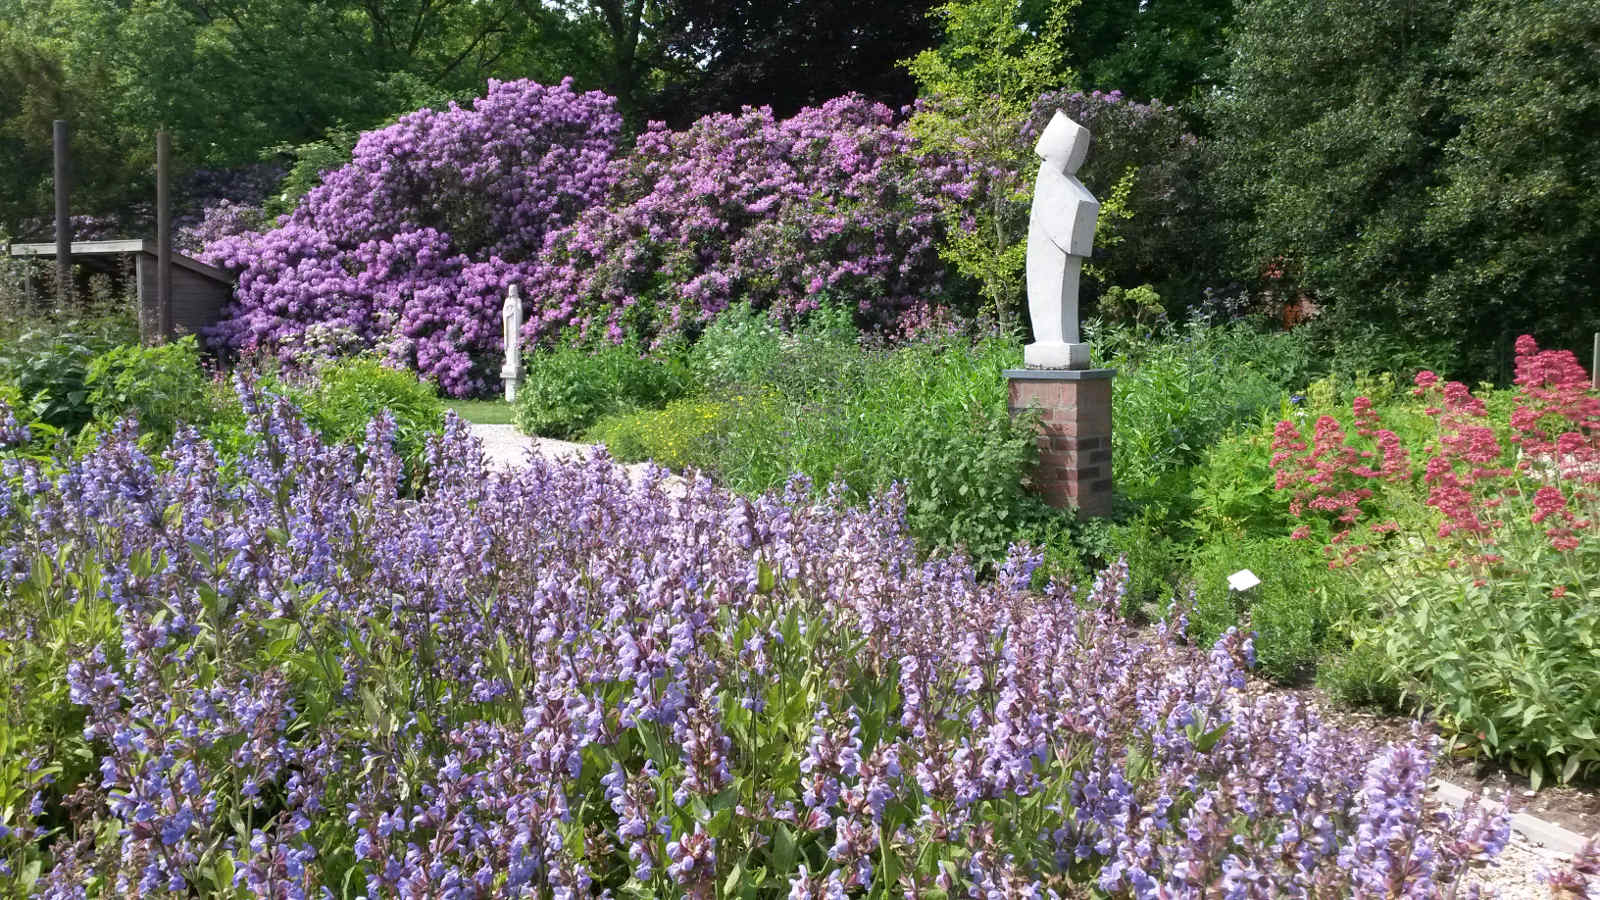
(162, 387)
(682, 435)
(743, 349)
(567, 389)
(929, 416)
(1299, 611)
(343, 396)
(49, 364)
(1501, 656)
(1178, 392)
(1423, 169)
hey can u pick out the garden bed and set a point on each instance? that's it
(562, 679)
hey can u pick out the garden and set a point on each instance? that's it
(798, 622)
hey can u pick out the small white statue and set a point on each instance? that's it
(511, 325)
(1060, 236)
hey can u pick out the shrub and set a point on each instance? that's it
(560, 681)
(1177, 393)
(49, 365)
(782, 214)
(1398, 172)
(1298, 613)
(567, 389)
(342, 397)
(161, 387)
(817, 403)
(1488, 605)
(412, 245)
(685, 434)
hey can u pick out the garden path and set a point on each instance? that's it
(506, 448)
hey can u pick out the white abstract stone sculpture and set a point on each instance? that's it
(511, 325)
(1060, 235)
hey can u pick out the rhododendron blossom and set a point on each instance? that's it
(828, 205)
(412, 245)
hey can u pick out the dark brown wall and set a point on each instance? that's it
(197, 301)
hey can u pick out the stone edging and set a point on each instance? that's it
(1535, 830)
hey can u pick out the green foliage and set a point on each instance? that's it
(1177, 395)
(744, 348)
(1516, 223)
(989, 52)
(162, 387)
(1512, 665)
(1173, 49)
(929, 416)
(49, 365)
(343, 396)
(977, 86)
(685, 434)
(310, 160)
(236, 77)
(1299, 611)
(568, 388)
(41, 81)
(1419, 168)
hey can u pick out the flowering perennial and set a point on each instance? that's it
(1493, 584)
(412, 245)
(780, 213)
(557, 682)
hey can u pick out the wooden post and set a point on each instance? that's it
(63, 219)
(163, 237)
(1594, 380)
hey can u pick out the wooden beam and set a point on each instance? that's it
(163, 237)
(63, 218)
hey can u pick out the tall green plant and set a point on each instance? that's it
(977, 86)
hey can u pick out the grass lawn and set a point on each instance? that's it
(484, 412)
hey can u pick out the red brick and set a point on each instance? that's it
(1074, 440)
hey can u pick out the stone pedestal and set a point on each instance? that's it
(511, 378)
(1074, 434)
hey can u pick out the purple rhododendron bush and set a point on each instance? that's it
(412, 244)
(831, 203)
(289, 674)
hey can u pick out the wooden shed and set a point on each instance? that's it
(199, 291)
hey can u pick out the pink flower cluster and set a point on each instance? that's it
(1545, 458)
(784, 214)
(1332, 476)
(412, 245)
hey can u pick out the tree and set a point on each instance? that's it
(722, 55)
(236, 76)
(1517, 222)
(1171, 49)
(1422, 169)
(978, 86)
(36, 88)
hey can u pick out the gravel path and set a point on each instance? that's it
(507, 449)
(1518, 872)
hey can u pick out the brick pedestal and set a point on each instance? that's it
(1074, 434)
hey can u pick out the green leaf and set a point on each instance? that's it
(784, 851)
(1574, 762)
